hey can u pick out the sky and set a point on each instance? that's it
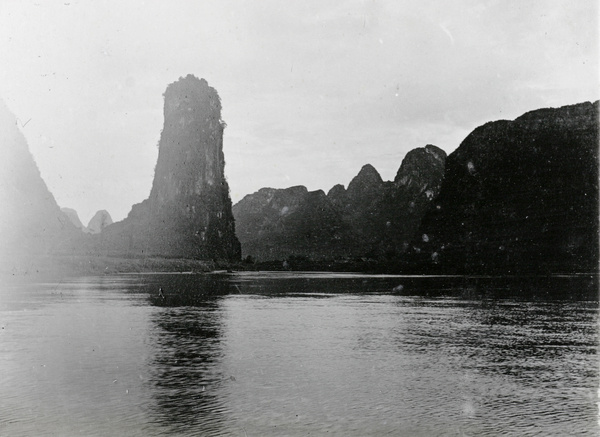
(311, 90)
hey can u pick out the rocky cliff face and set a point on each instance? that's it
(188, 213)
(274, 224)
(31, 223)
(518, 196)
(372, 218)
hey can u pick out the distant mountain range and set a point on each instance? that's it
(516, 197)
(371, 218)
(100, 220)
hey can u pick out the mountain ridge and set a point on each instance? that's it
(518, 196)
(371, 218)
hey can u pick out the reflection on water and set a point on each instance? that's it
(296, 354)
(185, 371)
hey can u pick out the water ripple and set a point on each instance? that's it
(291, 355)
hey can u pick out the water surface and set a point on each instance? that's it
(259, 354)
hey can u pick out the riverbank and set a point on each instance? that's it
(41, 268)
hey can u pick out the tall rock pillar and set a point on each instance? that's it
(188, 213)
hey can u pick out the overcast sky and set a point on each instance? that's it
(311, 90)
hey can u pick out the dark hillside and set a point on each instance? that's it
(518, 197)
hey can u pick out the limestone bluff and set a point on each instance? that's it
(188, 213)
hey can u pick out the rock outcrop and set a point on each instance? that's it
(372, 218)
(100, 220)
(188, 213)
(274, 224)
(518, 197)
(31, 222)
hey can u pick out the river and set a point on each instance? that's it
(294, 354)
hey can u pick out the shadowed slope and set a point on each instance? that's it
(519, 196)
(372, 218)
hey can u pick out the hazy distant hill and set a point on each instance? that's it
(74, 217)
(31, 223)
(100, 220)
(518, 196)
(372, 218)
